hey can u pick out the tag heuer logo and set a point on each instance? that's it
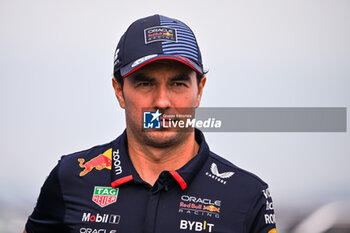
(104, 196)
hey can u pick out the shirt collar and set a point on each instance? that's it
(123, 171)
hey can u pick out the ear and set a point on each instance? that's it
(118, 90)
(200, 90)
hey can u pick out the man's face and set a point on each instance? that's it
(164, 85)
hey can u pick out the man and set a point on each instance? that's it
(160, 179)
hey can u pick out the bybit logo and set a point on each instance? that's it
(196, 226)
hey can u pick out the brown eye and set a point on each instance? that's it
(143, 84)
(179, 84)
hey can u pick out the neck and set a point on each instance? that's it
(150, 161)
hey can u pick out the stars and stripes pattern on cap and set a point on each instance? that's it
(186, 45)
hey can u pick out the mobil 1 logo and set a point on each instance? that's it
(101, 218)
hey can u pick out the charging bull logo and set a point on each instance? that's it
(211, 208)
(100, 162)
(168, 34)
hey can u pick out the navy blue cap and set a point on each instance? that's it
(154, 38)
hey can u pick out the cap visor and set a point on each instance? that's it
(131, 67)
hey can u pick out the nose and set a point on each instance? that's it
(161, 98)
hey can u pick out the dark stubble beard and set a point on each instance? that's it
(164, 140)
(158, 138)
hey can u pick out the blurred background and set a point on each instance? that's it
(56, 96)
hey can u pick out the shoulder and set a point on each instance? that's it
(82, 162)
(236, 187)
(87, 153)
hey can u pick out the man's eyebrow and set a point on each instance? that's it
(181, 77)
(141, 78)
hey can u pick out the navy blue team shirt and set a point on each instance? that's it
(99, 191)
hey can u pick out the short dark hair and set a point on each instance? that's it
(120, 78)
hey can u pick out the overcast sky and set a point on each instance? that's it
(56, 95)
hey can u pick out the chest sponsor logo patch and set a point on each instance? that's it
(104, 196)
(200, 206)
(196, 226)
(96, 230)
(216, 175)
(101, 218)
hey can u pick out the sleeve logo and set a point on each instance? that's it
(99, 162)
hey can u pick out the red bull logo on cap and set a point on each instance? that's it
(100, 162)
